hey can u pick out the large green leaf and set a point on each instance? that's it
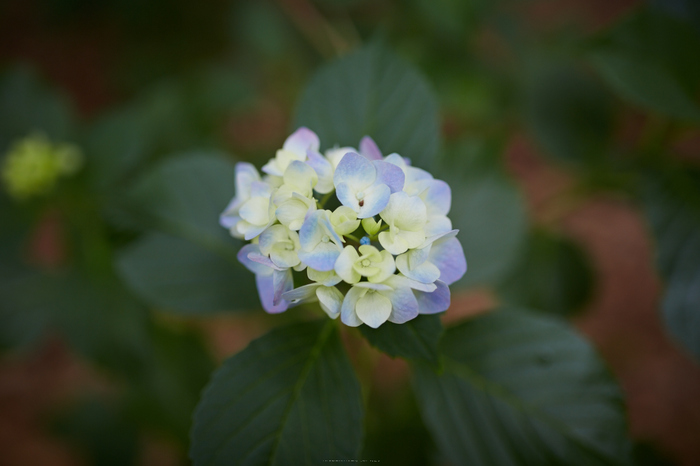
(518, 389)
(416, 339)
(180, 275)
(569, 113)
(184, 196)
(650, 59)
(190, 265)
(673, 209)
(372, 92)
(552, 275)
(488, 210)
(291, 397)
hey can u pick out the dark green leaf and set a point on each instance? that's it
(551, 275)
(291, 397)
(489, 212)
(518, 389)
(184, 196)
(372, 93)
(180, 275)
(570, 114)
(673, 208)
(114, 145)
(416, 339)
(650, 60)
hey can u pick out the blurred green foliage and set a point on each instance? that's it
(446, 83)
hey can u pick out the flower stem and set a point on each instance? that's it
(324, 199)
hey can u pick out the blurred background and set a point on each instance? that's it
(570, 138)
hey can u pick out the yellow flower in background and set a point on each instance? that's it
(33, 165)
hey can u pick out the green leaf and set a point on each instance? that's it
(26, 106)
(372, 92)
(488, 210)
(291, 397)
(518, 389)
(180, 275)
(184, 196)
(114, 145)
(650, 60)
(553, 275)
(673, 209)
(417, 339)
(569, 113)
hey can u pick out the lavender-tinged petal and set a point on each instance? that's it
(375, 200)
(256, 267)
(266, 290)
(282, 282)
(260, 189)
(228, 220)
(437, 301)
(437, 227)
(390, 175)
(404, 305)
(355, 171)
(263, 260)
(322, 257)
(369, 149)
(448, 256)
(324, 170)
(437, 197)
(301, 140)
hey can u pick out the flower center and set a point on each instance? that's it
(325, 239)
(360, 195)
(365, 263)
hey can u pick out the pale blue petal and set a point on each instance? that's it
(327, 226)
(355, 171)
(390, 175)
(266, 290)
(437, 301)
(311, 231)
(246, 174)
(346, 196)
(438, 197)
(404, 305)
(255, 267)
(260, 189)
(437, 226)
(322, 257)
(375, 200)
(301, 140)
(396, 159)
(424, 272)
(448, 256)
(347, 311)
(369, 149)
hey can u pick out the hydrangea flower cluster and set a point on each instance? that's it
(384, 250)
